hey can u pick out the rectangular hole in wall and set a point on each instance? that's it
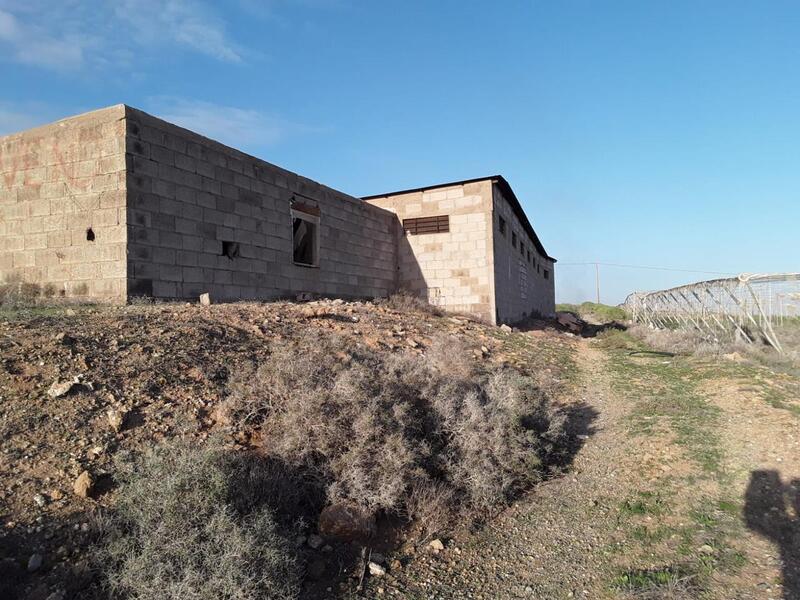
(305, 235)
(230, 249)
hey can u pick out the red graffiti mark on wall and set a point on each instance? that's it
(12, 162)
(68, 170)
(27, 156)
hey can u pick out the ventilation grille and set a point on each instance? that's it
(440, 224)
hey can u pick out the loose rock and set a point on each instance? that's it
(376, 570)
(35, 562)
(116, 418)
(60, 388)
(84, 485)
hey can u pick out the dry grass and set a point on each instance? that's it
(405, 301)
(421, 437)
(187, 525)
(691, 342)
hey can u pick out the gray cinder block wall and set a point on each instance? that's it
(63, 207)
(188, 194)
(474, 267)
(116, 203)
(523, 272)
(451, 269)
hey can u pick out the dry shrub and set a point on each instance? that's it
(405, 301)
(429, 505)
(15, 293)
(692, 342)
(614, 339)
(185, 526)
(390, 432)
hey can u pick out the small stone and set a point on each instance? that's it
(378, 558)
(315, 541)
(706, 549)
(436, 545)
(205, 299)
(396, 565)
(505, 328)
(35, 562)
(39, 500)
(60, 388)
(376, 570)
(116, 418)
(84, 485)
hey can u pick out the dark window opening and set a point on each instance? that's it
(529, 255)
(305, 233)
(546, 274)
(514, 239)
(422, 225)
(502, 225)
(230, 249)
(522, 249)
(89, 235)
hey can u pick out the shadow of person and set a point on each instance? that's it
(768, 509)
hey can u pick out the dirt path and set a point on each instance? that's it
(681, 487)
(554, 543)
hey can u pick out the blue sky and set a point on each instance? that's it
(647, 133)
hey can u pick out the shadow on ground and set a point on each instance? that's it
(772, 510)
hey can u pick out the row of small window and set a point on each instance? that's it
(522, 250)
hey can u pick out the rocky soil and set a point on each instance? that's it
(681, 480)
(81, 385)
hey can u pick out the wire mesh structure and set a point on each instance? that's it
(751, 307)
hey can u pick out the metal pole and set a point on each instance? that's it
(597, 280)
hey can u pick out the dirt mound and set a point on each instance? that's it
(82, 385)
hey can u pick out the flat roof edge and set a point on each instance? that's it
(507, 191)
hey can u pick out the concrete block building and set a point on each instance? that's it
(467, 246)
(116, 204)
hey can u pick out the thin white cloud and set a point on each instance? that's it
(186, 22)
(66, 35)
(234, 126)
(35, 45)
